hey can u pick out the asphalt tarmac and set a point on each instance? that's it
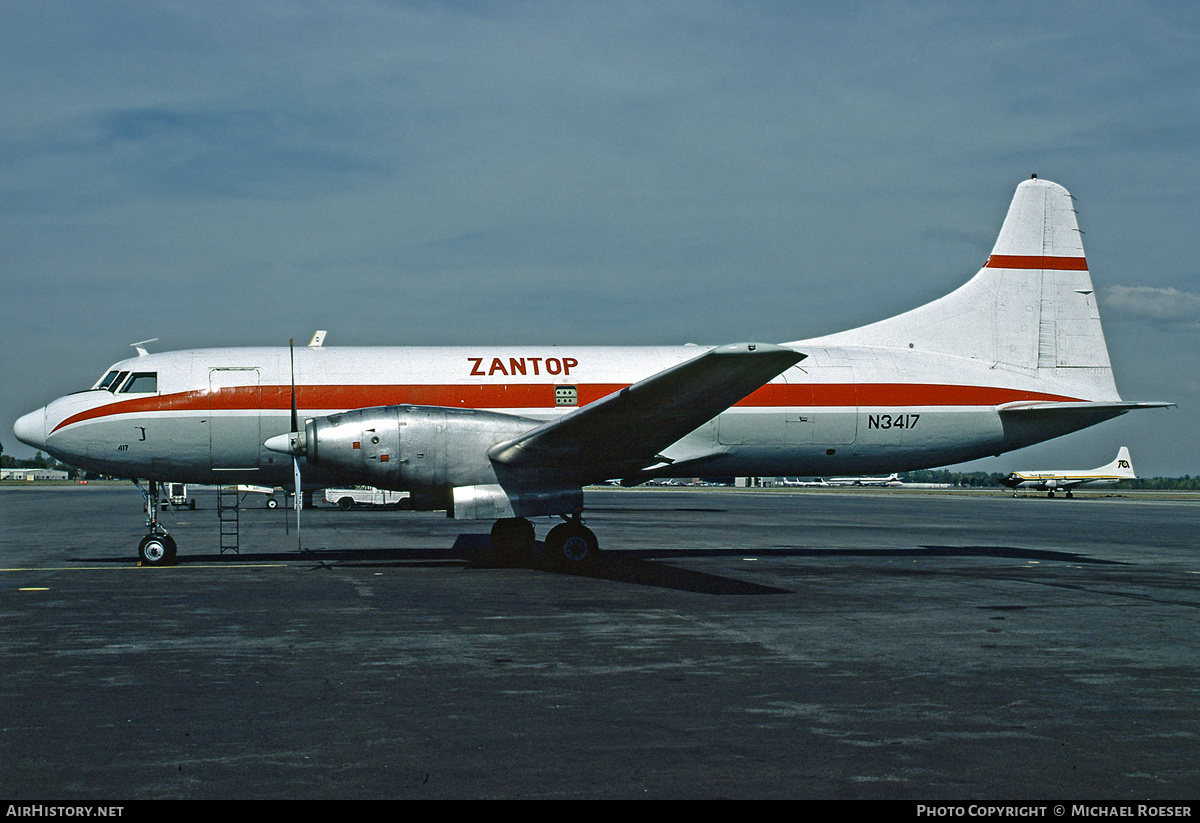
(728, 644)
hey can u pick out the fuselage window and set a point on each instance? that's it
(141, 382)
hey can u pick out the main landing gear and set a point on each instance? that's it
(158, 547)
(570, 544)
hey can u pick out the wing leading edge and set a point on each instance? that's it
(625, 431)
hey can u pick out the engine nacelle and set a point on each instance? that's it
(419, 448)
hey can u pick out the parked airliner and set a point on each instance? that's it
(892, 479)
(1052, 480)
(1013, 357)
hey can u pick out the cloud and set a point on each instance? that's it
(636, 173)
(1152, 304)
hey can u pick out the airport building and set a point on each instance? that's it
(32, 474)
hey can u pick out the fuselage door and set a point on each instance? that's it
(234, 404)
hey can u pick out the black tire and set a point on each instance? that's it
(272, 503)
(513, 536)
(346, 504)
(571, 545)
(157, 550)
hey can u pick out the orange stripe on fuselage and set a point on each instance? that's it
(1036, 261)
(541, 396)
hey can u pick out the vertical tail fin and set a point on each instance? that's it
(1043, 279)
(1122, 466)
(1031, 309)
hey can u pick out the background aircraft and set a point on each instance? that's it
(892, 479)
(1013, 357)
(1052, 481)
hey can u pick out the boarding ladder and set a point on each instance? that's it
(227, 514)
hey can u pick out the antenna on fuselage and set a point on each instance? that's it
(142, 352)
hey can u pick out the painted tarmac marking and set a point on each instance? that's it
(128, 568)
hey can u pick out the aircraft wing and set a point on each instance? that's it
(625, 431)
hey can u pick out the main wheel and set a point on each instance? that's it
(513, 536)
(571, 544)
(157, 550)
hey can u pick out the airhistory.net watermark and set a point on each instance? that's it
(47, 810)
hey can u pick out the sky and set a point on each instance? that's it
(410, 173)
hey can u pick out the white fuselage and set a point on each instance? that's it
(1050, 482)
(840, 410)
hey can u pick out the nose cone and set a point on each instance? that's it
(31, 429)
(291, 443)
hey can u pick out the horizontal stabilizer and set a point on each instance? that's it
(1105, 409)
(1028, 423)
(627, 429)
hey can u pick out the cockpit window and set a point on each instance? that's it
(107, 381)
(141, 382)
(117, 381)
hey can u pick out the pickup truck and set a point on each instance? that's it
(347, 499)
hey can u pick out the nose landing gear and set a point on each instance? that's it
(158, 547)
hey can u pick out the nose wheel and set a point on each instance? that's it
(157, 550)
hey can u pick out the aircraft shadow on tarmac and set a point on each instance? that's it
(474, 552)
(999, 552)
(639, 566)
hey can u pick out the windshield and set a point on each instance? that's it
(107, 380)
(142, 382)
(127, 382)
